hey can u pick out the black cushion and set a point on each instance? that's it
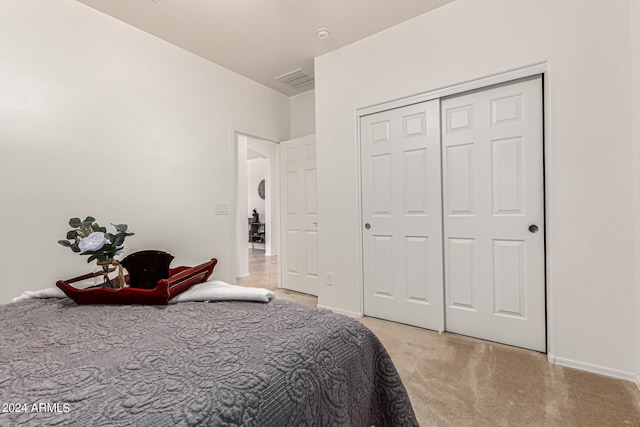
(147, 267)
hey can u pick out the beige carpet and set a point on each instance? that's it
(459, 381)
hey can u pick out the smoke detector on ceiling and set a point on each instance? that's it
(323, 33)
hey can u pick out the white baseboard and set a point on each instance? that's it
(596, 369)
(242, 276)
(353, 314)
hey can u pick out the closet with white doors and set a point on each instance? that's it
(453, 214)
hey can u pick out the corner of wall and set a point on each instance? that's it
(302, 113)
(635, 84)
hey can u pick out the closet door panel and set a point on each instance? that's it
(493, 196)
(402, 214)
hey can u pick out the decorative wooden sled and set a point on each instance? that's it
(180, 279)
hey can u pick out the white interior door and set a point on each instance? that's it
(401, 203)
(299, 213)
(494, 214)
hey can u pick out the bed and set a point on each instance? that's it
(231, 363)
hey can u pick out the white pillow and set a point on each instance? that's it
(217, 290)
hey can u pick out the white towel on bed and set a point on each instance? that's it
(52, 292)
(42, 293)
(217, 290)
(214, 290)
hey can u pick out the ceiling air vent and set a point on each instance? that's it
(297, 80)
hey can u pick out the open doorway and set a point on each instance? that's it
(257, 212)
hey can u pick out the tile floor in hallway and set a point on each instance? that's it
(263, 273)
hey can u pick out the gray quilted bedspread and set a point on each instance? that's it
(193, 364)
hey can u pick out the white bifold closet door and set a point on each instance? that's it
(452, 199)
(494, 214)
(401, 201)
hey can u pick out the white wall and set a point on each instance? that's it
(635, 72)
(255, 174)
(589, 150)
(269, 152)
(303, 114)
(99, 118)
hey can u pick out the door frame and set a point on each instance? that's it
(541, 68)
(233, 209)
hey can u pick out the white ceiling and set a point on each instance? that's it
(262, 39)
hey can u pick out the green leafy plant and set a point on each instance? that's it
(89, 238)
